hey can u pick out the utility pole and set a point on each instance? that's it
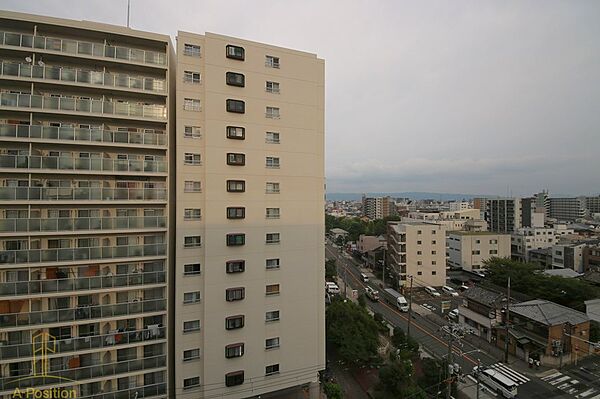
(409, 307)
(562, 348)
(478, 371)
(506, 337)
(383, 266)
(449, 367)
(128, 11)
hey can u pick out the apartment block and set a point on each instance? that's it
(526, 239)
(567, 209)
(378, 207)
(248, 282)
(504, 214)
(84, 207)
(469, 250)
(417, 249)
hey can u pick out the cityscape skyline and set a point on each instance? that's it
(471, 99)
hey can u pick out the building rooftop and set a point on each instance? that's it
(474, 233)
(565, 273)
(484, 296)
(337, 230)
(548, 313)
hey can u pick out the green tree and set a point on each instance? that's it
(408, 347)
(396, 381)
(352, 332)
(330, 269)
(432, 380)
(333, 391)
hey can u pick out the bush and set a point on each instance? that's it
(333, 391)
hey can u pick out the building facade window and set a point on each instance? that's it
(272, 87)
(272, 213)
(272, 289)
(191, 297)
(272, 315)
(191, 77)
(236, 212)
(234, 322)
(272, 263)
(191, 104)
(235, 52)
(236, 132)
(191, 50)
(191, 269)
(271, 61)
(191, 214)
(191, 325)
(236, 186)
(192, 241)
(235, 79)
(272, 113)
(272, 162)
(235, 266)
(234, 378)
(234, 350)
(191, 382)
(192, 159)
(272, 343)
(236, 106)
(272, 369)
(272, 238)
(272, 138)
(272, 188)
(192, 132)
(236, 239)
(236, 159)
(235, 294)
(191, 186)
(191, 354)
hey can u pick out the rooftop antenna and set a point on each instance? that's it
(128, 11)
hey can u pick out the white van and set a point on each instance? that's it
(449, 291)
(432, 291)
(364, 278)
(332, 288)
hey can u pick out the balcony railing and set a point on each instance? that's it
(81, 194)
(82, 343)
(89, 164)
(83, 373)
(145, 391)
(98, 78)
(81, 254)
(80, 283)
(80, 134)
(81, 313)
(69, 46)
(81, 223)
(83, 105)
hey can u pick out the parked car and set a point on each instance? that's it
(332, 288)
(453, 314)
(364, 278)
(432, 291)
(372, 294)
(449, 291)
(463, 288)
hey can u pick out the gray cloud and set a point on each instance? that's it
(468, 96)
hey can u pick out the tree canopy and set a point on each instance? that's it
(355, 226)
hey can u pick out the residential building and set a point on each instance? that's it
(567, 209)
(482, 205)
(369, 243)
(470, 249)
(336, 233)
(458, 205)
(526, 239)
(85, 197)
(378, 207)
(568, 256)
(542, 257)
(504, 215)
(250, 158)
(417, 249)
(547, 331)
(481, 309)
(591, 258)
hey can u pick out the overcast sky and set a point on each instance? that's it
(474, 97)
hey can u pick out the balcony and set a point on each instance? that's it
(81, 254)
(46, 225)
(8, 320)
(73, 75)
(83, 106)
(81, 164)
(81, 194)
(82, 48)
(83, 373)
(80, 284)
(80, 134)
(84, 343)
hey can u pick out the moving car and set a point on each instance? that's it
(395, 298)
(364, 278)
(453, 314)
(432, 291)
(372, 294)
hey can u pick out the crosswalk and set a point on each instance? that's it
(509, 373)
(571, 386)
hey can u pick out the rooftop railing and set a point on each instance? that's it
(77, 47)
(81, 194)
(81, 164)
(81, 313)
(81, 134)
(81, 223)
(83, 105)
(80, 254)
(75, 75)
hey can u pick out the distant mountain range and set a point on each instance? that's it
(412, 195)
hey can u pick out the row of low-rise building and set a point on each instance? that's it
(161, 225)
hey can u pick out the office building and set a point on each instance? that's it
(417, 249)
(378, 207)
(84, 207)
(469, 250)
(248, 288)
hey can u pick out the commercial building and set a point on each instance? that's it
(470, 249)
(526, 239)
(84, 205)
(378, 207)
(458, 205)
(417, 249)
(248, 288)
(568, 256)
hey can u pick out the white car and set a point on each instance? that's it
(332, 288)
(453, 314)
(372, 294)
(432, 291)
(449, 290)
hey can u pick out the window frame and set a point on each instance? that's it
(236, 212)
(272, 112)
(190, 214)
(240, 54)
(235, 239)
(273, 215)
(272, 62)
(192, 273)
(234, 378)
(276, 267)
(272, 320)
(231, 132)
(192, 246)
(273, 162)
(192, 77)
(235, 106)
(190, 50)
(272, 87)
(197, 298)
(232, 183)
(272, 293)
(192, 385)
(272, 241)
(192, 184)
(195, 132)
(237, 347)
(192, 158)
(236, 159)
(192, 104)
(274, 371)
(235, 266)
(191, 329)
(184, 359)
(278, 345)
(230, 79)
(240, 317)
(234, 290)
(272, 140)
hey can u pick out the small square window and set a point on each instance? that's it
(272, 162)
(191, 214)
(272, 188)
(236, 132)
(235, 378)
(191, 325)
(191, 50)
(272, 138)
(235, 266)
(272, 369)
(236, 159)
(191, 77)
(234, 322)
(272, 87)
(236, 212)
(236, 239)
(192, 132)
(234, 350)
(271, 343)
(235, 52)
(192, 241)
(272, 213)
(191, 104)
(272, 315)
(272, 238)
(236, 186)
(272, 289)
(271, 62)
(236, 106)
(272, 263)
(191, 297)
(235, 79)
(272, 113)
(192, 159)
(191, 269)
(192, 186)
(235, 294)
(191, 382)
(191, 354)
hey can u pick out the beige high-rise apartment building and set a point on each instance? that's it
(470, 249)
(417, 249)
(84, 200)
(248, 284)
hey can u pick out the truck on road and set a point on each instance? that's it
(395, 298)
